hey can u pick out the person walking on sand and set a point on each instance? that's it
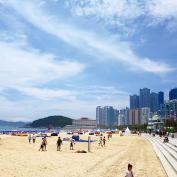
(59, 143)
(104, 141)
(29, 138)
(129, 173)
(71, 144)
(42, 145)
(108, 137)
(45, 143)
(101, 142)
(34, 138)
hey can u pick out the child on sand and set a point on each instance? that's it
(129, 173)
(71, 144)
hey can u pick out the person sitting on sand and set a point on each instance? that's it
(129, 173)
(59, 143)
(71, 144)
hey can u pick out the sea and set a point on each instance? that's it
(22, 129)
(10, 128)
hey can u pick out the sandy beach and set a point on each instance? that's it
(18, 158)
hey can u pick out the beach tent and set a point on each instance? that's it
(127, 132)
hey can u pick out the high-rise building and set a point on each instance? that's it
(121, 117)
(134, 101)
(126, 116)
(99, 115)
(169, 110)
(173, 94)
(116, 115)
(134, 116)
(110, 117)
(144, 115)
(106, 116)
(154, 102)
(160, 100)
(144, 98)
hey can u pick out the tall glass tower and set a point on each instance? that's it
(160, 99)
(144, 99)
(173, 94)
(134, 101)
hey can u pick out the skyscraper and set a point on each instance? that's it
(173, 94)
(154, 102)
(134, 116)
(144, 98)
(160, 99)
(144, 115)
(99, 115)
(106, 116)
(134, 101)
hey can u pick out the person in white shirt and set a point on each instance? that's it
(129, 173)
(34, 138)
(29, 138)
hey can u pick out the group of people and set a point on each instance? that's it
(59, 143)
(43, 145)
(32, 138)
(102, 141)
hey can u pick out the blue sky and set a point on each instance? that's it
(65, 57)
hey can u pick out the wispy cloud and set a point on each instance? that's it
(21, 66)
(123, 12)
(85, 40)
(47, 94)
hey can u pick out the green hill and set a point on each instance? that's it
(51, 122)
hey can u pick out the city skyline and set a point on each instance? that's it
(67, 57)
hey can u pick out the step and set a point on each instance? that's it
(170, 154)
(169, 158)
(165, 162)
(168, 145)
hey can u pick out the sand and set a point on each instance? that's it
(18, 158)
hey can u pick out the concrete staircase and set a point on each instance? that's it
(166, 152)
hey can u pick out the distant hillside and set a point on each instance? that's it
(51, 121)
(12, 124)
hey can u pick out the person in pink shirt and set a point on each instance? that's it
(129, 173)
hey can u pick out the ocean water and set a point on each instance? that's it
(9, 128)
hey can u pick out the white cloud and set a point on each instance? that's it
(164, 9)
(124, 13)
(88, 41)
(47, 94)
(67, 104)
(108, 8)
(25, 69)
(30, 67)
